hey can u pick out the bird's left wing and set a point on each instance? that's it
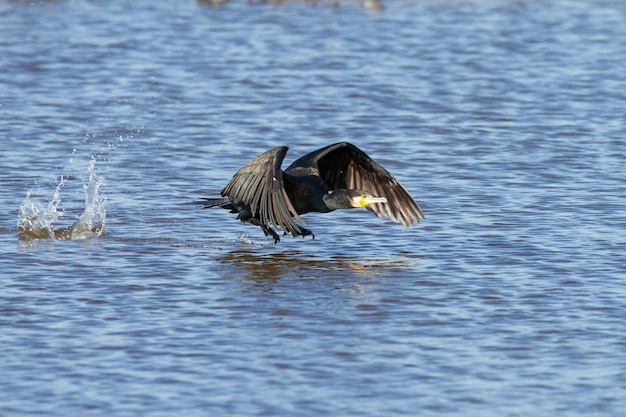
(259, 184)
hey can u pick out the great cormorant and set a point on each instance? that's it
(334, 177)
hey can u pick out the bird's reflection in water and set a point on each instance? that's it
(263, 267)
(271, 267)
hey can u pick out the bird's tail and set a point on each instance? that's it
(215, 202)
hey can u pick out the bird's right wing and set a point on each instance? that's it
(259, 184)
(343, 165)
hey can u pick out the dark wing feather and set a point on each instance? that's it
(259, 184)
(343, 165)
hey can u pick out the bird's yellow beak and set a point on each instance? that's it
(367, 200)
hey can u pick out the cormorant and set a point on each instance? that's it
(334, 177)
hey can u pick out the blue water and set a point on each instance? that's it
(505, 120)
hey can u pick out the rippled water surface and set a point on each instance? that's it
(504, 119)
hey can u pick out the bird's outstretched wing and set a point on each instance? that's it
(343, 165)
(259, 184)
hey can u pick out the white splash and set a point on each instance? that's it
(37, 220)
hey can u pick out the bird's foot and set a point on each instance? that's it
(270, 232)
(306, 232)
(266, 229)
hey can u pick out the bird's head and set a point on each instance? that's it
(364, 199)
(340, 199)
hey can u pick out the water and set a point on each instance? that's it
(37, 221)
(120, 297)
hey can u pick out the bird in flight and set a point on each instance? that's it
(338, 176)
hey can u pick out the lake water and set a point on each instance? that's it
(504, 119)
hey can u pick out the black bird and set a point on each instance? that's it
(334, 177)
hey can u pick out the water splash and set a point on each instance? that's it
(37, 220)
